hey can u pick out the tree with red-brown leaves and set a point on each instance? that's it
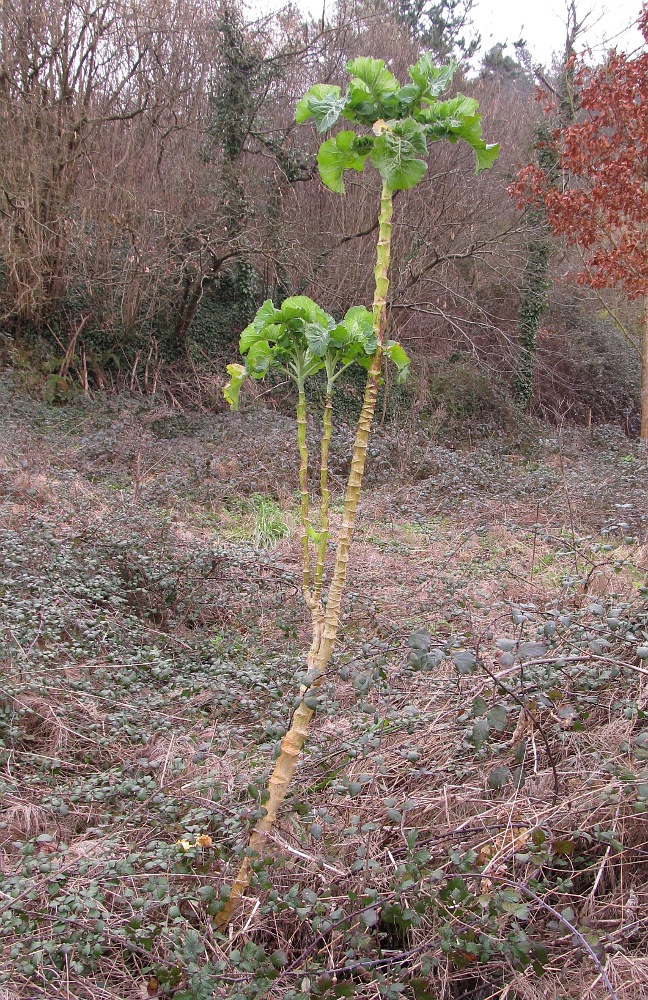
(602, 204)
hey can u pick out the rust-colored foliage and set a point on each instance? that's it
(603, 203)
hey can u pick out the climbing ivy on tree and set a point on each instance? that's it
(602, 205)
(539, 247)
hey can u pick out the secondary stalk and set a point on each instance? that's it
(325, 622)
(324, 494)
(303, 486)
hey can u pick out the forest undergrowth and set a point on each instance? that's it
(469, 820)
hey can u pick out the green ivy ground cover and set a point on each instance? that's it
(470, 815)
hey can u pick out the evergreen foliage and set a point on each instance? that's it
(442, 27)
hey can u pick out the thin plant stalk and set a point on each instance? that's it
(303, 486)
(327, 429)
(325, 622)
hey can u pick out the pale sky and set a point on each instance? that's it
(542, 25)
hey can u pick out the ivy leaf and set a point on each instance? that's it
(232, 389)
(431, 660)
(378, 82)
(431, 80)
(396, 151)
(498, 718)
(395, 353)
(420, 640)
(498, 777)
(318, 338)
(531, 650)
(320, 94)
(480, 731)
(369, 918)
(479, 706)
(337, 155)
(464, 661)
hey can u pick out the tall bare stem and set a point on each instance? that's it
(325, 622)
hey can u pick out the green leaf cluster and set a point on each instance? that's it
(403, 119)
(300, 339)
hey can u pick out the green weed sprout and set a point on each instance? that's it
(393, 125)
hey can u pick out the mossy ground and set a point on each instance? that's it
(470, 815)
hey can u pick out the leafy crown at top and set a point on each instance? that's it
(402, 121)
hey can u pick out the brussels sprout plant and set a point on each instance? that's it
(391, 128)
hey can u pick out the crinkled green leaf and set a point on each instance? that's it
(321, 92)
(458, 119)
(232, 389)
(313, 363)
(485, 155)
(359, 322)
(265, 314)
(337, 155)
(409, 94)
(377, 80)
(318, 338)
(262, 328)
(361, 108)
(396, 151)
(458, 107)
(327, 111)
(470, 130)
(249, 336)
(364, 360)
(395, 353)
(301, 307)
(431, 80)
(340, 336)
(259, 359)
(273, 332)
